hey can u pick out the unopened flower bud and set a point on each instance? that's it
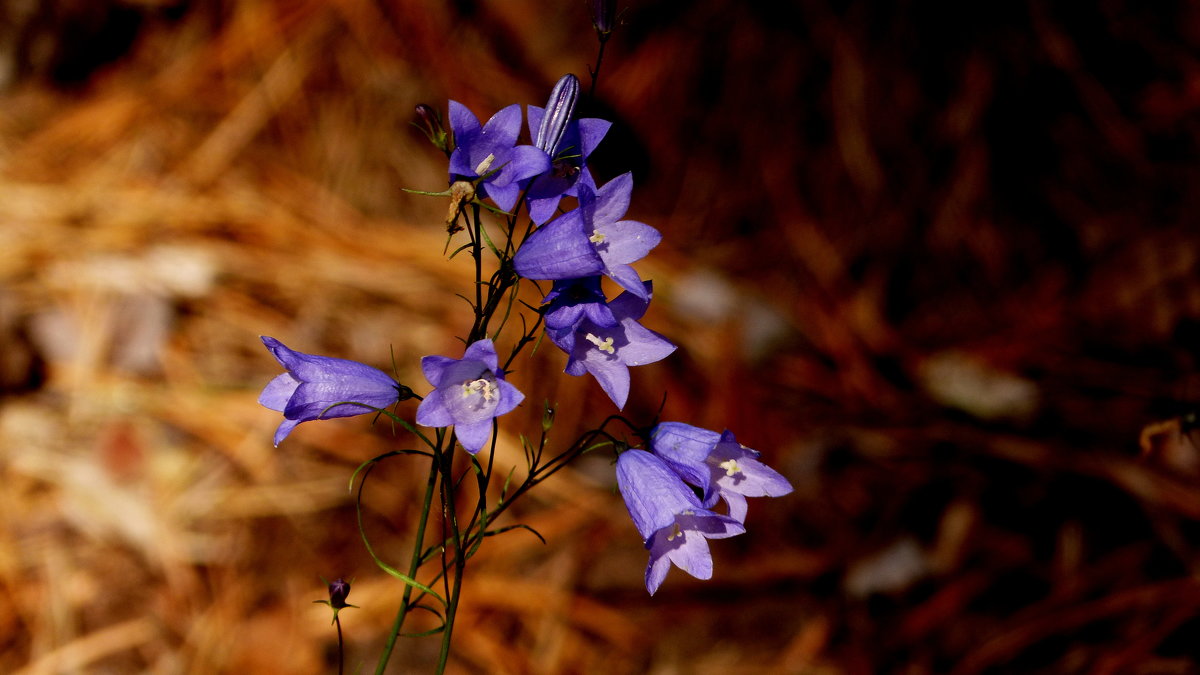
(604, 15)
(338, 590)
(429, 121)
(559, 110)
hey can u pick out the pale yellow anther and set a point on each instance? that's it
(731, 467)
(597, 237)
(675, 532)
(605, 345)
(485, 164)
(480, 386)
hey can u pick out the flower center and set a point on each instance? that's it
(605, 345)
(564, 169)
(485, 164)
(731, 467)
(597, 237)
(483, 387)
(675, 532)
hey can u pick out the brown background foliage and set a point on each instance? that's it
(937, 262)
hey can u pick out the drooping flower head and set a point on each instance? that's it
(469, 392)
(573, 300)
(668, 515)
(591, 239)
(491, 152)
(717, 464)
(567, 142)
(607, 352)
(313, 386)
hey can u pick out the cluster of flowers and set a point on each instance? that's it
(574, 251)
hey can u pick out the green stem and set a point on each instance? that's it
(418, 542)
(450, 516)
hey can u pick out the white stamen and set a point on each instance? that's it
(597, 237)
(675, 532)
(485, 164)
(605, 345)
(480, 386)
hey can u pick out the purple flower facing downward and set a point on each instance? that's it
(573, 300)
(668, 515)
(469, 392)
(607, 352)
(313, 385)
(717, 464)
(567, 142)
(491, 152)
(591, 239)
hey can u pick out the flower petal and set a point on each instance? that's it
(612, 200)
(653, 493)
(473, 436)
(483, 351)
(278, 392)
(432, 412)
(435, 367)
(285, 427)
(627, 241)
(612, 375)
(558, 250)
(313, 400)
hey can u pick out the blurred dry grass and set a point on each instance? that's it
(938, 263)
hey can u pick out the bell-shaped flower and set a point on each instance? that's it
(591, 239)
(607, 352)
(469, 393)
(571, 301)
(567, 142)
(717, 464)
(322, 387)
(673, 524)
(490, 153)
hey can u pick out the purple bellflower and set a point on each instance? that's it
(573, 300)
(591, 239)
(490, 152)
(469, 392)
(567, 142)
(717, 464)
(607, 352)
(668, 515)
(313, 386)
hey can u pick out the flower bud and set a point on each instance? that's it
(604, 15)
(429, 121)
(338, 590)
(559, 110)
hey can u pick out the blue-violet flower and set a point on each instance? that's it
(314, 386)
(491, 152)
(717, 464)
(573, 300)
(591, 239)
(668, 515)
(469, 392)
(607, 352)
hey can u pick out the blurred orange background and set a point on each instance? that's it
(938, 263)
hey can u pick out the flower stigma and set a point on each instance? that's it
(597, 237)
(675, 532)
